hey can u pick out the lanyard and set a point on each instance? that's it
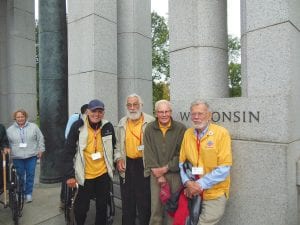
(95, 137)
(22, 134)
(139, 138)
(198, 147)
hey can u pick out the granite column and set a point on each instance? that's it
(53, 83)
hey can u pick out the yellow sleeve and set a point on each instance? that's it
(224, 153)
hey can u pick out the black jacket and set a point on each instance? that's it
(3, 138)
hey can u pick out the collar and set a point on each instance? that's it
(202, 132)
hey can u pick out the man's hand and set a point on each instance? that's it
(161, 180)
(192, 189)
(158, 172)
(71, 182)
(121, 165)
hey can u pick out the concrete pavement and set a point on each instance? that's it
(44, 210)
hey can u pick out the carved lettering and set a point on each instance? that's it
(235, 116)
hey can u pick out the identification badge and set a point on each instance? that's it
(23, 145)
(96, 156)
(197, 170)
(140, 147)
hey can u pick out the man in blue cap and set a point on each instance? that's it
(89, 161)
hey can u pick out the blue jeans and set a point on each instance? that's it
(26, 170)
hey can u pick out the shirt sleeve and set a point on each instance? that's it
(184, 177)
(217, 175)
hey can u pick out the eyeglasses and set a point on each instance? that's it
(164, 112)
(198, 114)
(135, 105)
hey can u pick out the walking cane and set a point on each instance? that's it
(4, 178)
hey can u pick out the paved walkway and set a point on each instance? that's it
(44, 208)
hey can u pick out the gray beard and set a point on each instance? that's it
(134, 115)
(200, 127)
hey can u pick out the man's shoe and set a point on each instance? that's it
(28, 198)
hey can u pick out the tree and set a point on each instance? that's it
(160, 57)
(234, 66)
(161, 66)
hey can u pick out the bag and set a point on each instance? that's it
(165, 192)
(182, 212)
(195, 207)
(172, 203)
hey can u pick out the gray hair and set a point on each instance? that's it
(161, 102)
(134, 95)
(200, 102)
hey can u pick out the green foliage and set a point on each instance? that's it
(160, 48)
(234, 66)
(161, 90)
(160, 58)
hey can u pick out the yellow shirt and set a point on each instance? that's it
(164, 129)
(134, 134)
(94, 168)
(215, 150)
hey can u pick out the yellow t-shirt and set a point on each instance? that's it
(94, 168)
(164, 128)
(215, 150)
(134, 134)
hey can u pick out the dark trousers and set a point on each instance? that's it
(93, 188)
(135, 193)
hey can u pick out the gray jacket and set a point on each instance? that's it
(120, 152)
(31, 137)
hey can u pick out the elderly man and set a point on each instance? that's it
(208, 148)
(89, 161)
(162, 141)
(135, 187)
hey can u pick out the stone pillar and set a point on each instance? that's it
(266, 160)
(20, 69)
(53, 85)
(134, 52)
(264, 123)
(92, 31)
(198, 49)
(3, 64)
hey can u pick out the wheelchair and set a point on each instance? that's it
(11, 187)
(70, 198)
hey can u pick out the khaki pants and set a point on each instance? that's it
(212, 211)
(158, 214)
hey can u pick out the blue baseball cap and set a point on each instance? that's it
(96, 104)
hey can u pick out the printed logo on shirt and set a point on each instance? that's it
(210, 144)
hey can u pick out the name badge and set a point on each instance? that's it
(23, 145)
(140, 148)
(197, 170)
(96, 156)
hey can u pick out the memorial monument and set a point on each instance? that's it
(109, 57)
(264, 122)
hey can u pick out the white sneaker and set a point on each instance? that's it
(28, 198)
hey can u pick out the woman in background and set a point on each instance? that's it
(27, 145)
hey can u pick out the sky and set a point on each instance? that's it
(233, 14)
